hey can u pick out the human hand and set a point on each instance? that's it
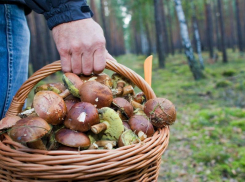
(81, 45)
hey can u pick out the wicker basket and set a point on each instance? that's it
(139, 162)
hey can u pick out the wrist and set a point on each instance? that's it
(71, 11)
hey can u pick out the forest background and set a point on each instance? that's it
(198, 49)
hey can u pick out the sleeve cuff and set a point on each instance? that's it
(71, 11)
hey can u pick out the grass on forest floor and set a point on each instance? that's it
(207, 142)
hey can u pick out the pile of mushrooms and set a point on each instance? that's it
(88, 113)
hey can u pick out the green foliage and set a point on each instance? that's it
(229, 72)
(223, 83)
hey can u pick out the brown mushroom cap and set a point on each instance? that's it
(55, 87)
(29, 129)
(96, 93)
(139, 123)
(81, 117)
(101, 78)
(72, 138)
(50, 106)
(8, 122)
(161, 111)
(126, 125)
(62, 147)
(124, 106)
(70, 102)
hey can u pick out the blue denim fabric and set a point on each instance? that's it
(14, 52)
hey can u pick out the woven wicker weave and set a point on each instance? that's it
(139, 162)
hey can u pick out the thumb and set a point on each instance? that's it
(108, 56)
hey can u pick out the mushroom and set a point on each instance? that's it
(81, 117)
(101, 78)
(8, 122)
(55, 87)
(126, 125)
(161, 112)
(128, 137)
(107, 144)
(118, 91)
(62, 147)
(73, 83)
(116, 77)
(124, 106)
(72, 138)
(140, 98)
(96, 93)
(70, 102)
(141, 125)
(111, 124)
(28, 112)
(136, 105)
(30, 131)
(128, 90)
(50, 106)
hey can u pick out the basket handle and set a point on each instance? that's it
(19, 98)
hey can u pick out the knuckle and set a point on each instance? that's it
(76, 48)
(63, 50)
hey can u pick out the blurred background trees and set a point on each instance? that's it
(145, 27)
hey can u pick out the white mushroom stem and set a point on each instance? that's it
(93, 146)
(142, 135)
(108, 146)
(98, 128)
(104, 143)
(65, 93)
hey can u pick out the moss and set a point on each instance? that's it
(230, 72)
(223, 83)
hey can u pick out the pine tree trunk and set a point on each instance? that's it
(209, 29)
(216, 20)
(159, 34)
(106, 31)
(239, 28)
(194, 67)
(93, 7)
(164, 28)
(196, 35)
(223, 43)
(148, 36)
(232, 25)
(170, 29)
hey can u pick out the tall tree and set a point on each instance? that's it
(93, 7)
(104, 25)
(164, 27)
(194, 67)
(170, 28)
(232, 26)
(239, 28)
(196, 34)
(209, 28)
(222, 33)
(159, 34)
(216, 22)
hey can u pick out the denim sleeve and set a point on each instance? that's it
(60, 11)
